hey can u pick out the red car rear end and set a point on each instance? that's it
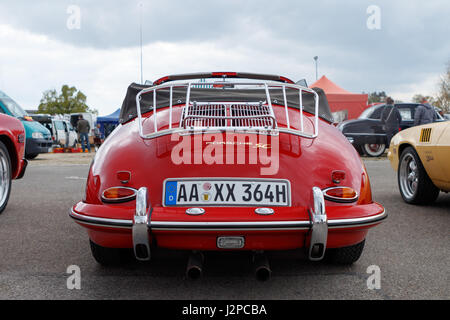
(250, 165)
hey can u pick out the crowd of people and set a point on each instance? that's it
(83, 128)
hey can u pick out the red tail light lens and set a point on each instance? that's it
(340, 194)
(337, 176)
(118, 194)
(124, 176)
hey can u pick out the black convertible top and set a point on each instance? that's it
(128, 110)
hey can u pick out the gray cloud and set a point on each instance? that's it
(412, 45)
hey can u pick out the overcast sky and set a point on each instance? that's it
(38, 50)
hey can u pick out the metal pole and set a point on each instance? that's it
(317, 73)
(140, 27)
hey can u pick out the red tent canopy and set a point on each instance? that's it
(340, 99)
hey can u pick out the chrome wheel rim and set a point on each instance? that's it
(409, 176)
(5, 177)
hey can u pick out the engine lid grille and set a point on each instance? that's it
(225, 115)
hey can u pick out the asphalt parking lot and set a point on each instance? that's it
(39, 242)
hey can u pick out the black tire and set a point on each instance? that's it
(31, 156)
(414, 183)
(374, 149)
(345, 255)
(108, 256)
(5, 176)
(359, 149)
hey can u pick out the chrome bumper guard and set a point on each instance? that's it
(140, 231)
(319, 227)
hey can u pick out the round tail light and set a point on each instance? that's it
(340, 194)
(119, 194)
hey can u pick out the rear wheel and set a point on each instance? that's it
(374, 149)
(109, 256)
(5, 176)
(414, 183)
(345, 255)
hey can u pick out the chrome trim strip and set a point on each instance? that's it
(343, 223)
(229, 226)
(101, 221)
(250, 225)
(364, 134)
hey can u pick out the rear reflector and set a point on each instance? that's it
(124, 176)
(118, 194)
(337, 176)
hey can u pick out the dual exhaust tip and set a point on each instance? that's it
(194, 269)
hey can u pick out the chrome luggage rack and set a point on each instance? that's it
(245, 117)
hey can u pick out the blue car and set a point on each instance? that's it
(38, 137)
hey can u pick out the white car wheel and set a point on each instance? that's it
(374, 149)
(5, 176)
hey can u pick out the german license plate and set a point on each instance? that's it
(226, 192)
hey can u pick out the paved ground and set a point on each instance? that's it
(39, 241)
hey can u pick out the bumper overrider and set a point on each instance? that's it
(317, 228)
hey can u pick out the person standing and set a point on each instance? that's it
(83, 129)
(424, 113)
(97, 136)
(391, 119)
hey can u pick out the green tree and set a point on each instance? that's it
(377, 97)
(418, 98)
(70, 100)
(442, 99)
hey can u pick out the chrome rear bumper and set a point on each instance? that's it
(318, 225)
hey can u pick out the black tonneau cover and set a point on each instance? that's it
(128, 110)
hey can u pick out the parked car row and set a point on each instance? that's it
(367, 134)
(38, 138)
(62, 131)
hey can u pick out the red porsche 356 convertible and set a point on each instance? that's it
(12, 149)
(235, 161)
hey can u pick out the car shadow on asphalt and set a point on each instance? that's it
(172, 263)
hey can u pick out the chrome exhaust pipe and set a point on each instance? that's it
(194, 267)
(262, 267)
